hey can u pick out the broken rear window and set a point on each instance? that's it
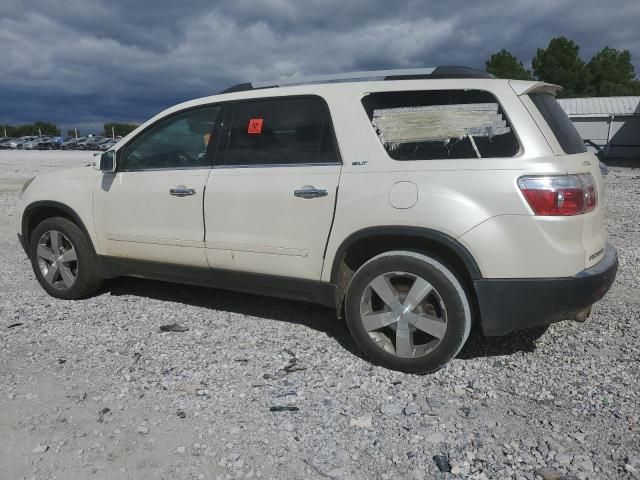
(440, 124)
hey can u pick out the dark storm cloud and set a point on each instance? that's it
(83, 62)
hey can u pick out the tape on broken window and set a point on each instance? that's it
(433, 123)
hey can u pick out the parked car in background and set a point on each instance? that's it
(4, 143)
(90, 143)
(72, 143)
(32, 143)
(26, 143)
(110, 142)
(99, 145)
(61, 139)
(12, 143)
(52, 143)
(16, 143)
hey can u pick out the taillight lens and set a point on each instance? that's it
(560, 195)
(590, 195)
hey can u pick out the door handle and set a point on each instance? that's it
(182, 191)
(310, 192)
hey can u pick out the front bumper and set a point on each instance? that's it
(507, 305)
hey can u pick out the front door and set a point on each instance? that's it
(151, 208)
(269, 205)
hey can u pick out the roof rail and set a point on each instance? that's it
(398, 74)
(239, 87)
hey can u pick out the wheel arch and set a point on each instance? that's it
(364, 244)
(36, 212)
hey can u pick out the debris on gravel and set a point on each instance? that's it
(442, 462)
(40, 449)
(143, 429)
(102, 413)
(564, 404)
(284, 408)
(632, 466)
(365, 421)
(391, 409)
(548, 473)
(173, 327)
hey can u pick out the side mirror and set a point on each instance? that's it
(108, 161)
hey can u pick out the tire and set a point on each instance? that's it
(428, 294)
(72, 272)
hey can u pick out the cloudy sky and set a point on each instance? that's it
(84, 62)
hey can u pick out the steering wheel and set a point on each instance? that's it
(181, 158)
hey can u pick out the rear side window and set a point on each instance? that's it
(281, 131)
(441, 124)
(559, 123)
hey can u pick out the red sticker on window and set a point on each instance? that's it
(255, 126)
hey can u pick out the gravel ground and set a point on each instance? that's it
(93, 389)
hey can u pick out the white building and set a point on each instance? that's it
(611, 123)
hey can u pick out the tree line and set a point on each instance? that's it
(119, 129)
(47, 128)
(36, 128)
(608, 73)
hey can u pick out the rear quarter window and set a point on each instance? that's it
(559, 123)
(441, 124)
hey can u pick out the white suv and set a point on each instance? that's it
(414, 202)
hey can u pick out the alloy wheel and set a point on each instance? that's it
(403, 314)
(57, 260)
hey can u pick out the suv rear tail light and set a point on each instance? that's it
(560, 195)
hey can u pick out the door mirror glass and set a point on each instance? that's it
(108, 161)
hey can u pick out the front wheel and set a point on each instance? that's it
(407, 311)
(63, 259)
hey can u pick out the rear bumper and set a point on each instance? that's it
(507, 305)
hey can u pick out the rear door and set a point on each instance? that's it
(269, 203)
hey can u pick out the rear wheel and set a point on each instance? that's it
(407, 312)
(63, 259)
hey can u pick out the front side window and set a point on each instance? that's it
(441, 124)
(179, 141)
(281, 131)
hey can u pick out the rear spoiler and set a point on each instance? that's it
(525, 87)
